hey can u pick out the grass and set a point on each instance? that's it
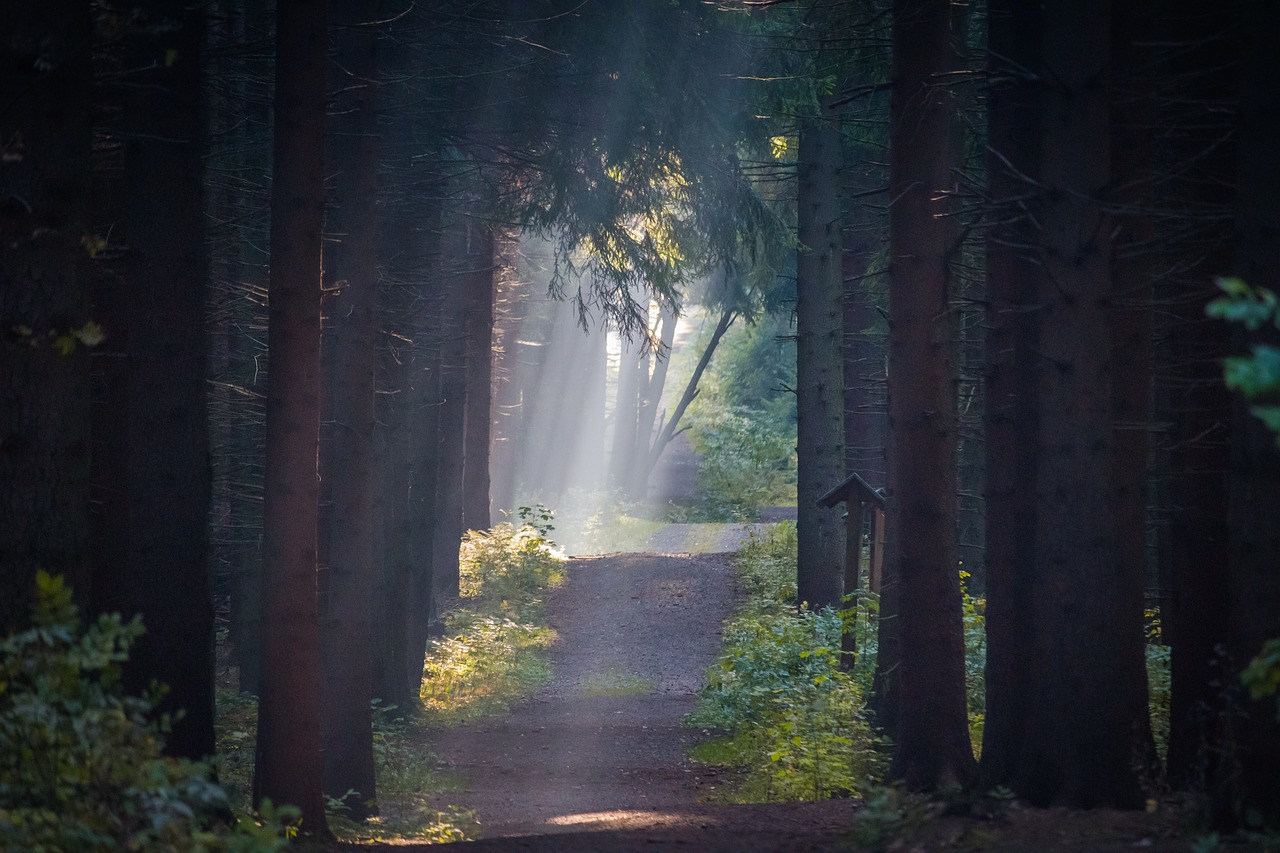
(616, 683)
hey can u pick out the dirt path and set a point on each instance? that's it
(602, 747)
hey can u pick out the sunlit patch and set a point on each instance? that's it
(623, 818)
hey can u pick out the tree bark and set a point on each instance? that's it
(166, 274)
(819, 366)
(932, 747)
(478, 323)
(44, 422)
(1254, 583)
(348, 354)
(1078, 743)
(1011, 416)
(289, 767)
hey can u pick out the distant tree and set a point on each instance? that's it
(478, 330)
(288, 767)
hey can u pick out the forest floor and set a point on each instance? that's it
(597, 760)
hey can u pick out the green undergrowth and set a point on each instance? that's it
(493, 651)
(81, 762)
(792, 722)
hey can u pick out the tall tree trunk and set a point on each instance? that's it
(1134, 269)
(346, 458)
(932, 747)
(478, 328)
(1254, 582)
(1199, 69)
(819, 367)
(1011, 415)
(288, 767)
(44, 422)
(455, 282)
(166, 274)
(1078, 745)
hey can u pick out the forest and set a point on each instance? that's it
(321, 319)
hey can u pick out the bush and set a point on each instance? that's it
(791, 718)
(493, 648)
(81, 766)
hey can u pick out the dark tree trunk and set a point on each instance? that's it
(166, 272)
(289, 767)
(1134, 269)
(44, 421)
(932, 747)
(1253, 586)
(478, 322)
(1196, 71)
(819, 366)
(346, 458)
(1011, 420)
(1078, 744)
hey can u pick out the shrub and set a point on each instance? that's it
(791, 717)
(81, 766)
(493, 648)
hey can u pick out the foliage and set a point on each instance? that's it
(746, 463)
(975, 660)
(792, 718)
(1159, 680)
(509, 564)
(1257, 378)
(743, 422)
(492, 651)
(1262, 675)
(81, 766)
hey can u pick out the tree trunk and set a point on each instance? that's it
(932, 747)
(166, 273)
(44, 423)
(511, 308)
(650, 398)
(288, 767)
(1011, 415)
(478, 322)
(819, 366)
(1078, 743)
(1254, 513)
(1134, 269)
(346, 458)
(455, 282)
